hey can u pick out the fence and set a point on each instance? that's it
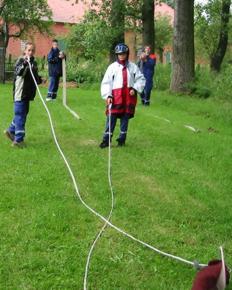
(10, 63)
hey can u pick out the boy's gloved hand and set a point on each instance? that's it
(109, 100)
(132, 92)
(26, 59)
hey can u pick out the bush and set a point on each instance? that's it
(209, 84)
(86, 71)
(162, 77)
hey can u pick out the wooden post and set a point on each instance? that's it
(2, 64)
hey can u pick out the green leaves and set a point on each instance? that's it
(90, 36)
(207, 27)
(26, 16)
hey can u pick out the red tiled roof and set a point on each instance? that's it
(164, 10)
(67, 11)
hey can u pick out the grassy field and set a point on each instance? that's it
(173, 190)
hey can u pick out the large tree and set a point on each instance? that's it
(218, 56)
(183, 45)
(148, 29)
(18, 18)
(211, 30)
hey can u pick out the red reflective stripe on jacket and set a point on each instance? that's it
(123, 102)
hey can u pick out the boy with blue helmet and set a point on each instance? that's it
(119, 88)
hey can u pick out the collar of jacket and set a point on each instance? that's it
(124, 65)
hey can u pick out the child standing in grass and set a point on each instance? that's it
(55, 57)
(119, 88)
(24, 91)
(147, 65)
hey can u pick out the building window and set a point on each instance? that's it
(23, 44)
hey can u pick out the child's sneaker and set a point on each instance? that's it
(18, 144)
(48, 99)
(121, 142)
(9, 135)
(104, 144)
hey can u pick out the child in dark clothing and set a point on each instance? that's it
(24, 91)
(55, 57)
(147, 65)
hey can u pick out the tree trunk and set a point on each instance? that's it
(118, 24)
(148, 18)
(2, 54)
(161, 54)
(183, 65)
(218, 56)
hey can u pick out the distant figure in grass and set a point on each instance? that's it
(24, 91)
(119, 88)
(147, 65)
(55, 57)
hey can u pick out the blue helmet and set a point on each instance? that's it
(121, 48)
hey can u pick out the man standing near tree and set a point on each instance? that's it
(147, 64)
(55, 57)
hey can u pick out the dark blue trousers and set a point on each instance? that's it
(53, 87)
(17, 127)
(124, 122)
(146, 94)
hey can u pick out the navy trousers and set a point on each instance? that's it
(53, 87)
(124, 122)
(17, 127)
(146, 94)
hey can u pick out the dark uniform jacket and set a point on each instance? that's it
(24, 87)
(54, 63)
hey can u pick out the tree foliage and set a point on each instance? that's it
(23, 16)
(18, 18)
(163, 34)
(110, 18)
(208, 24)
(90, 36)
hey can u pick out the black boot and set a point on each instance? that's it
(104, 144)
(121, 142)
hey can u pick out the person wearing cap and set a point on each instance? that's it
(54, 58)
(147, 65)
(119, 88)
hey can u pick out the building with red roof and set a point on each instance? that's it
(66, 13)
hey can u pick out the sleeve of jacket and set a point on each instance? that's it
(52, 58)
(21, 67)
(139, 80)
(107, 83)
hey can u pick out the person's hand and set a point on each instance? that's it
(143, 56)
(26, 59)
(61, 55)
(132, 92)
(109, 101)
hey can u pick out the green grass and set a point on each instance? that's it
(173, 190)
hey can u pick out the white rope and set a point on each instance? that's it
(91, 209)
(163, 119)
(111, 210)
(65, 91)
(191, 128)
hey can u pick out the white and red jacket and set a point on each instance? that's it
(118, 81)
